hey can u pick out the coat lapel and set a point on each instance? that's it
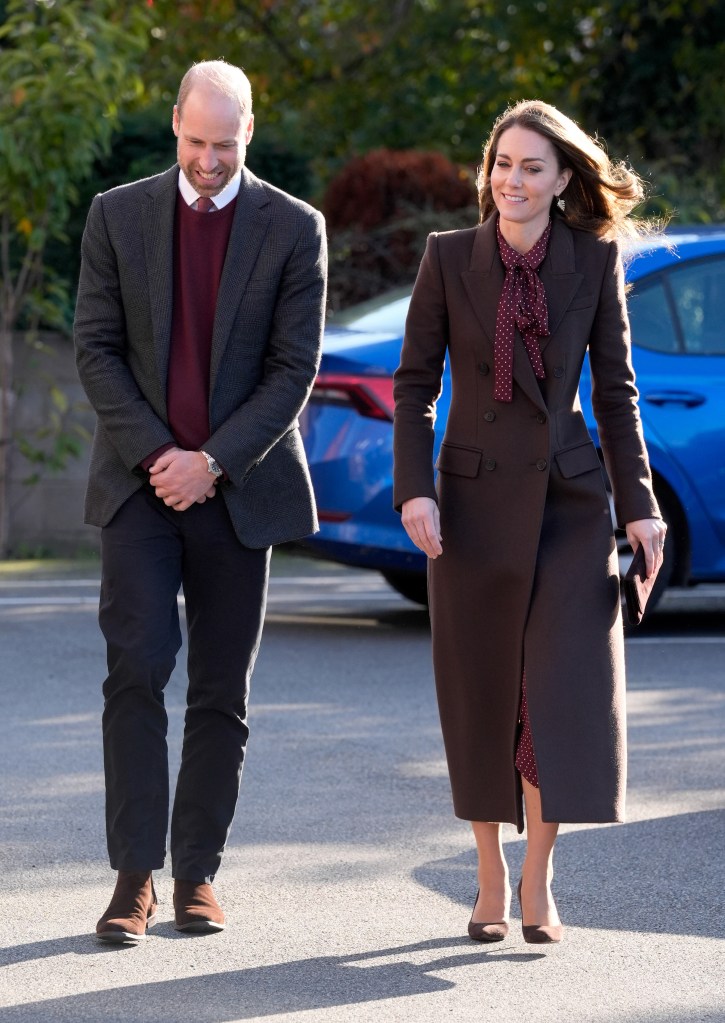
(249, 227)
(484, 278)
(558, 275)
(157, 223)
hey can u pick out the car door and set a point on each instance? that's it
(678, 330)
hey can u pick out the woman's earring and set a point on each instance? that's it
(561, 203)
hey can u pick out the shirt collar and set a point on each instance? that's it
(229, 192)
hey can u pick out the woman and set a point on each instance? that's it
(523, 572)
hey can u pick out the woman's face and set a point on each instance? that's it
(525, 178)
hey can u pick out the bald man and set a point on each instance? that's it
(197, 332)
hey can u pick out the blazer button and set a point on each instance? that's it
(541, 417)
(541, 464)
(558, 371)
(489, 416)
(483, 368)
(490, 464)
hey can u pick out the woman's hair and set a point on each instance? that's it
(600, 194)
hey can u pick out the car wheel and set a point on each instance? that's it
(412, 585)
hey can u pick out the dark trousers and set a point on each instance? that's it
(148, 552)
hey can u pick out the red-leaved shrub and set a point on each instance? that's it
(383, 186)
(380, 209)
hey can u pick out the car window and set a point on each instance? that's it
(698, 291)
(389, 319)
(650, 319)
(382, 315)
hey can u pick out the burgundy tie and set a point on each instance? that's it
(204, 204)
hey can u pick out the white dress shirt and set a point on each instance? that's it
(229, 192)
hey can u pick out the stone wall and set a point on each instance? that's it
(46, 517)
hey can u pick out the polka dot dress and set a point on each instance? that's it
(523, 305)
(525, 760)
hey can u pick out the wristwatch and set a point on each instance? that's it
(214, 468)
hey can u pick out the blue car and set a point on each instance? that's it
(677, 313)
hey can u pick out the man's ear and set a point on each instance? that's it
(176, 121)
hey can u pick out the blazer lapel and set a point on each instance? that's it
(249, 227)
(157, 223)
(558, 275)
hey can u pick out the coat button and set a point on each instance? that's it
(490, 464)
(541, 417)
(483, 368)
(489, 416)
(541, 464)
(558, 371)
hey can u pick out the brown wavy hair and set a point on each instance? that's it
(601, 193)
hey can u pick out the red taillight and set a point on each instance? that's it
(369, 396)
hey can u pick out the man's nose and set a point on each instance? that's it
(208, 160)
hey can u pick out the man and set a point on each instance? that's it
(197, 332)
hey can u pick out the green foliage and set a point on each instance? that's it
(64, 70)
(333, 79)
(141, 145)
(654, 89)
(336, 78)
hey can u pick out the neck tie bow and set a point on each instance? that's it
(523, 305)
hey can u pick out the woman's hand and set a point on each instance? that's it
(422, 523)
(650, 533)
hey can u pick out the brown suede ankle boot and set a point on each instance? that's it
(196, 908)
(132, 909)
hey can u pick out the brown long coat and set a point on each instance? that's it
(528, 576)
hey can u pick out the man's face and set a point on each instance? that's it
(212, 139)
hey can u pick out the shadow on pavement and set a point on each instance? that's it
(656, 876)
(681, 624)
(302, 985)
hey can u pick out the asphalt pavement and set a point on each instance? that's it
(348, 883)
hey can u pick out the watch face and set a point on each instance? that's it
(214, 466)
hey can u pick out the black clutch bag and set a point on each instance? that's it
(636, 588)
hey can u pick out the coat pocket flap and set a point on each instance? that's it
(459, 461)
(575, 461)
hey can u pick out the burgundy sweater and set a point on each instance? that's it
(200, 247)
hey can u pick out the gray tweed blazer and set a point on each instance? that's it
(265, 349)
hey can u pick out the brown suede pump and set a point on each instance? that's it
(486, 932)
(539, 934)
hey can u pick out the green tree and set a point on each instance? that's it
(65, 70)
(650, 79)
(337, 78)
